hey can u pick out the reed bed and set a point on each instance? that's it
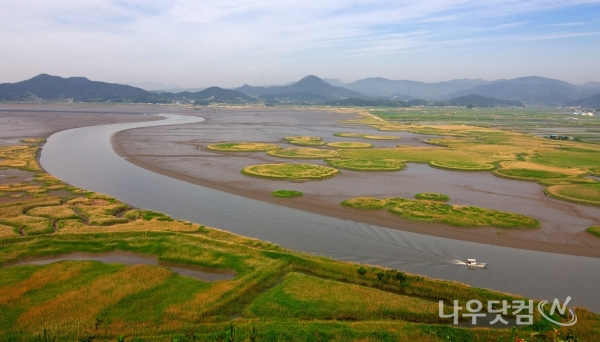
(304, 153)
(290, 171)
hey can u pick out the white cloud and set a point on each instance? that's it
(189, 42)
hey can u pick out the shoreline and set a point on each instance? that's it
(485, 236)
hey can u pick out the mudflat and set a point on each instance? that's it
(180, 152)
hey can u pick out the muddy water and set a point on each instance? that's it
(119, 257)
(84, 158)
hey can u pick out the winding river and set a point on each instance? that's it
(84, 157)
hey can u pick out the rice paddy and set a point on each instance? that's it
(290, 171)
(304, 153)
(287, 193)
(276, 294)
(367, 165)
(454, 215)
(350, 144)
(243, 147)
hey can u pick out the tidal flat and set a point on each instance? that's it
(181, 152)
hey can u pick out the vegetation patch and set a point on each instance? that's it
(367, 136)
(287, 193)
(532, 171)
(594, 230)
(302, 138)
(33, 140)
(367, 165)
(21, 157)
(461, 165)
(578, 193)
(367, 203)
(454, 215)
(303, 153)
(432, 196)
(243, 147)
(307, 142)
(301, 296)
(290, 171)
(353, 144)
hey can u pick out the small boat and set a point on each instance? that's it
(474, 263)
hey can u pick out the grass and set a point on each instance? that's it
(432, 196)
(454, 215)
(20, 157)
(577, 193)
(281, 294)
(440, 157)
(33, 140)
(367, 165)
(243, 147)
(367, 136)
(350, 145)
(594, 230)
(287, 193)
(290, 171)
(305, 141)
(303, 153)
(305, 297)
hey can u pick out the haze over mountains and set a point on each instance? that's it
(530, 91)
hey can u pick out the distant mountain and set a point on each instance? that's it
(589, 102)
(309, 85)
(592, 85)
(79, 89)
(379, 86)
(175, 90)
(478, 101)
(215, 94)
(150, 86)
(335, 82)
(298, 97)
(354, 102)
(531, 90)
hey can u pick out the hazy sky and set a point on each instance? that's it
(229, 43)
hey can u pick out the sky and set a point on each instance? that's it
(229, 43)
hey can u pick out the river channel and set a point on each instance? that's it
(84, 157)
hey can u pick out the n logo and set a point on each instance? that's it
(561, 310)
